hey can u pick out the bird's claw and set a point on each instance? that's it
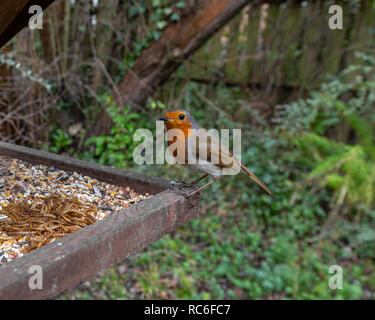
(178, 187)
(182, 185)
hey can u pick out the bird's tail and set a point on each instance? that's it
(255, 178)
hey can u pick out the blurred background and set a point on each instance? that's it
(303, 95)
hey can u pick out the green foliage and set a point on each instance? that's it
(348, 96)
(347, 168)
(161, 14)
(61, 142)
(117, 148)
(361, 238)
(364, 133)
(155, 104)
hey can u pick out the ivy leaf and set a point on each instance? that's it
(155, 3)
(167, 11)
(156, 35)
(180, 4)
(175, 16)
(161, 24)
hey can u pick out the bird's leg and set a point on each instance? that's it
(178, 187)
(201, 188)
(193, 184)
(201, 178)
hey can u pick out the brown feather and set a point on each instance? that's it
(255, 178)
(226, 159)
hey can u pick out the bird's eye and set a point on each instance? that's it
(181, 116)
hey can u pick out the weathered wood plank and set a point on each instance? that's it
(14, 16)
(8, 11)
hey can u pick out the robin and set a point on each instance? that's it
(193, 147)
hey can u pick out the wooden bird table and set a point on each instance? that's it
(81, 255)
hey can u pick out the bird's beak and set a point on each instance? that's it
(164, 118)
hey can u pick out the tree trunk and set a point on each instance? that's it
(162, 58)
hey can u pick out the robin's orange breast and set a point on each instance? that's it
(177, 146)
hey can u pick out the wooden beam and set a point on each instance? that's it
(9, 10)
(14, 16)
(178, 42)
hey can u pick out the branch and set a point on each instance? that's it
(177, 43)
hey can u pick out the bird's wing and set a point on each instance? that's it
(209, 148)
(220, 155)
